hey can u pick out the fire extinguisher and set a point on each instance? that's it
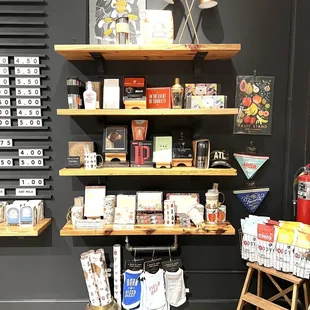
(302, 198)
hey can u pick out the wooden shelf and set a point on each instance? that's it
(19, 231)
(147, 112)
(148, 52)
(133, 171)
(156, 230)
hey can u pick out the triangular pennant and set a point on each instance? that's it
(252, 198)
(250, 164)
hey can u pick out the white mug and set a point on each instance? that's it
(195, 215)
(90, 160)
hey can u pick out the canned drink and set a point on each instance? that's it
(169, 212)
(221, 214)
(212, 216)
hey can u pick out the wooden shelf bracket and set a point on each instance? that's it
(137, 249)
(99, 59)
(199, 63)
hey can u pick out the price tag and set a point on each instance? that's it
(6, 162)
(26, 60)
(30, 152)
(27, 71)
(4, 81)
(5, 112)
(4, 60)
(25, 192)
(29, 122)
(4, 92)
(27, 81)
(28, 92)
(2, 192)
(4, 70)
(31, 182)
(6, 142)
(4, 122)
(28, 112)
(31, 162)
(5, 101)
(28, 102)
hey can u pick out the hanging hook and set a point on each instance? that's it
(169, 250)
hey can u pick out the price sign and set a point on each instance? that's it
(25, 192)
(28, 92)
(4, 92)
(29, 122)
(6, 142)
(27, 81)
(2, 192)
(5, 112)
(6, 162)
(5, 101)
(4, 70)
(4, 122)
(4, 60)
(26, 60)
(28, 112)
(27, 71)
(30, 152)
(28, 102)
(31, 162)
(31, 182)
(4, 81)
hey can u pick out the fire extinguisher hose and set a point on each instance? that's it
(298, 172)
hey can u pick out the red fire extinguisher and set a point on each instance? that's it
(303, 195)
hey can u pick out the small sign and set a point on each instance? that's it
(31, 182)
(27, 71)
(6, 143)
(6, 162)
(5, 112)
(29, 122)
(2, 192)
(4, 92)
(31, 162)
(5, 101)
(28, 112)
(5, 122)
(26, 60)
(28, 92)
(30, 152)
(4, 70)
(28, 102)
(26, 192)
(4, 81)
(27, 81)
(4, 60)
(73, 162)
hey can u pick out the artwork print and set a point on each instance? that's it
(104, 13)
(254, 98)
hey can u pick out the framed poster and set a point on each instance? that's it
(254, 99)
(102, 16)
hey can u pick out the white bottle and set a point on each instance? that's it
(90, 97)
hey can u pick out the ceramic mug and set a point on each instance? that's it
(195, 215)
(90, 160)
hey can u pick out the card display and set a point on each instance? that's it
(125, 210)
(183, 201)
(94, 201)
(162, 149)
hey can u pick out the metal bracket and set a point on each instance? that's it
(99, 59)
(198, 63)
(171, 248)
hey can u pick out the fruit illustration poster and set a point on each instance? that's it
(104, 13)
(254, 98)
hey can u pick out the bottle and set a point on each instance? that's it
(177, 94)
(90, 97)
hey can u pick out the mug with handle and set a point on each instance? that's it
(91, 160)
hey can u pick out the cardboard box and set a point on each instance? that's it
(77, 148)
(141, 153)
(97, 86)
(134, 88)
(208, 102)
(162, 149)
(111, 94)
(158, 98)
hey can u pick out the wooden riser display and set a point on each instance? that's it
(155, 230)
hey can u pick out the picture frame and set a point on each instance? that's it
(115, 139)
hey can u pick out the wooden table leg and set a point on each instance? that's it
(295, 297)
(259, 285)
(245, 287)
(306, 294)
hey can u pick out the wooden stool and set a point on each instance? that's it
(262, 303)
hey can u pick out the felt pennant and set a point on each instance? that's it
(252, 198)
(250, 164)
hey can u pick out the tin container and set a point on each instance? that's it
(169, 212)
(211, 215)
(221, 214)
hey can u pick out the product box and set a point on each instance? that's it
(12, 214)
(150, 201)
(162, 149)
(208, 102)
(134, 88)
(203, 89)
(97, 87)
(125, 210)
(154, 218)
(79, 148)
(111, 94)
(158, 98)
(94, 201)
(183, 201)
(28, 215)
(141, 154)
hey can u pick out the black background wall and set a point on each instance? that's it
(45, 271)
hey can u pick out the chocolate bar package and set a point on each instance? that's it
(141, 153)
(153, 218)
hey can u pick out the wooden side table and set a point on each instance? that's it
(267, 304)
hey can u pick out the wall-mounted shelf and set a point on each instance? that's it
(147, 112)
(156, 230)
(148, 52)
(18, 231)
(132, 171)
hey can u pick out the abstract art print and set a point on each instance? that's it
(254, 99)
(103, 14)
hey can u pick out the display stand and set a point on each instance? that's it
(187, 162)
(141, 104)
(109, 157)
(163, 165)
(267, 304)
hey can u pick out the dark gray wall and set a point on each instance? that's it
(47, 269)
